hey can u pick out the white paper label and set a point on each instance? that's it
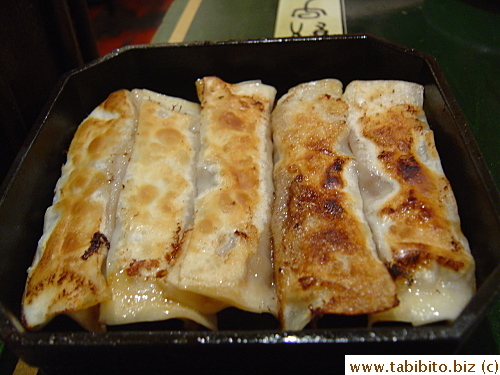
(301, 18)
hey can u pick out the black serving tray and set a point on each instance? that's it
(246, 343)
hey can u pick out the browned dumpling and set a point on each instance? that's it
(155, 208)
(227, 254)
(66, 274)
(409, 202)
(325, 258)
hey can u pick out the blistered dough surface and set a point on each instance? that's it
(227, 253)
(414, 218)
(325, 258)
(66, 274)
(154, 210)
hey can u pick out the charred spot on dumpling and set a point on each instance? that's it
(299, 178)
(302, 201)
(321, 146)
(326, 240)
(161, 273)
(408, 167)
(412, 207)
(301, 194)
(176, 246)
(385, 155)
(419, 208)
(98, 240)
(136, 266)
(240, 233)
(450, 263)
(252, 103)
(395, 270)
(456, 246)
(407, 258)
(387, 211)
(36, 288)
(333, 178)
(403, 266)
(63, 277)
(307, 281)
(332, 208)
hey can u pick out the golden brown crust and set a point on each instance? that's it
(421, 227)
(414, 218)
(229, 242)
(154, 210)
(324, 258)
(67, 272)
(324, 251)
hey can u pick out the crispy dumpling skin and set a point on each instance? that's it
(409, 202)
(227, 255)
(154, 210)
(325, 259)
(66, 276)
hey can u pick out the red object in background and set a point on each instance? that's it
(125, 38)
(118, 23)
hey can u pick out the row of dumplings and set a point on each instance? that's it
(324, 202)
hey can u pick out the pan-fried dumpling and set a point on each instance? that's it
(409, 202)
(154, 210)
(66, 274)
(325, 258)
(227, 255)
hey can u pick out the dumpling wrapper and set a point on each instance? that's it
(154, 210)
(409, 202)
(325, 258)
(227, 254)
(66, 276)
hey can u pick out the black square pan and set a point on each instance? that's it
(245, 343)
